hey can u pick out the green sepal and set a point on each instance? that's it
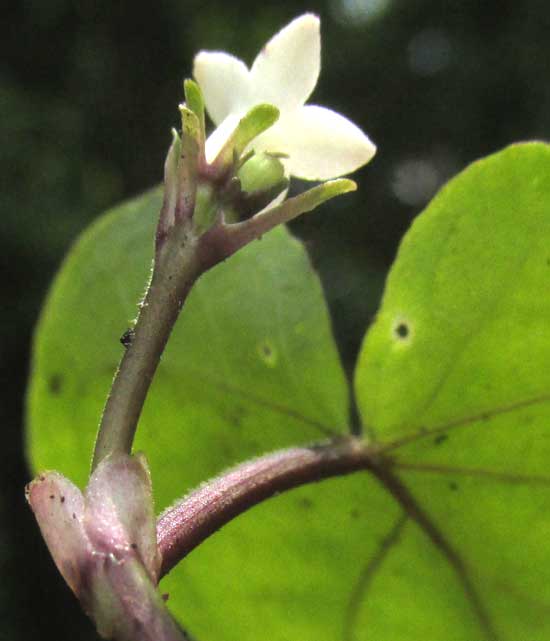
(207, 207)
(195, 102)
(191, 145)
(311, 199)
(253, 202)
(236, 236)
(254, 123)
(190, 124)
(171, 187)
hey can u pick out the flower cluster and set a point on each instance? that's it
(319, 144)
(233, 184)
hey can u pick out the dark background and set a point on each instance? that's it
(88, 93)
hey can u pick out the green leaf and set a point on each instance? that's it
(453, 383)
(251, 367)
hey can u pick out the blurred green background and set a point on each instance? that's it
(88, 93)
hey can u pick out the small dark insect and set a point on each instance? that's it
(127, 338)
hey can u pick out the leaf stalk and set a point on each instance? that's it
(184, 526)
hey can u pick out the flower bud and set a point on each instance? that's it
(262, 172)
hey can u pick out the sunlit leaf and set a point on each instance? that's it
(454, 380)
(449, 542)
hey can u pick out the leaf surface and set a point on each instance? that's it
(251, 367)
(454, 381)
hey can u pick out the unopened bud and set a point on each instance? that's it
(262, 172)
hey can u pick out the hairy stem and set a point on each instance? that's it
(184, 526)
(175, 271)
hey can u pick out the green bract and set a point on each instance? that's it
(453, 384)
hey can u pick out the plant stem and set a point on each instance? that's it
(184, 526)
(175, 270)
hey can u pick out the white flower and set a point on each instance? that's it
(320, 143)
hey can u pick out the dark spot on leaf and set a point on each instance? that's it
(62, 499)
(440, 438)
(267, 353)
(55, 384)
(165, 597)
(354, 514)
(305, 503)
(453, 486)
(235, 416)
(402, 330)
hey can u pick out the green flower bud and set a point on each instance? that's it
(262, 172)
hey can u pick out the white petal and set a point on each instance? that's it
(219, 136)
(224, 81)
(286, 70)
(321, 144)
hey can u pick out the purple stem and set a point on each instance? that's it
(181, 528)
